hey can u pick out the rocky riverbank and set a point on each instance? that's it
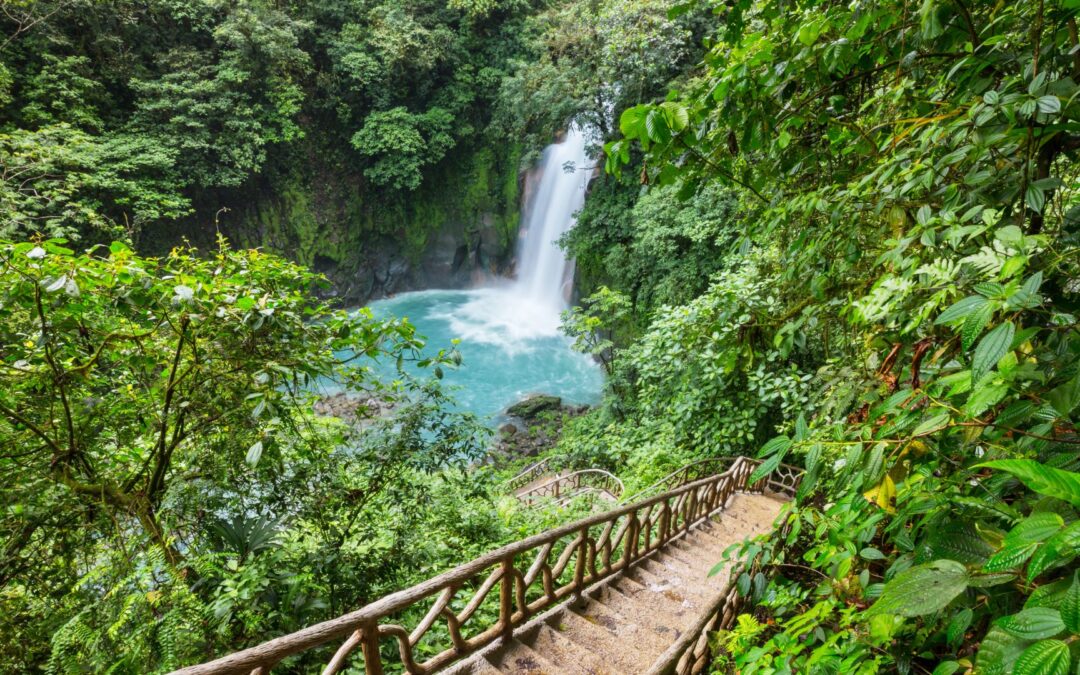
(534, 426)
(353, 408)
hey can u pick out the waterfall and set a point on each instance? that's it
(519, 315)
(545, 277)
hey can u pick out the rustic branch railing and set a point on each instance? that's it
(687, 474)
(561, 487)
(527, 475)
(530, 576)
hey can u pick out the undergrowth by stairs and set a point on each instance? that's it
(622, 625)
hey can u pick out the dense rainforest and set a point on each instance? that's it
(844, 236)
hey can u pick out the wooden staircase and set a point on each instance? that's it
(624, 626)
(623, 591)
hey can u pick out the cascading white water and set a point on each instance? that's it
(545, 276)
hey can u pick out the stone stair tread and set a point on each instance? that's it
(688, 584)
(649, 640)
(663, 584)
(669, 564)
(696, 575)
(518, 658)
(708, 547)
(669, 610)
(682, 556)
(483, 667)
(714, 535)
(563, 650)
(589, 632)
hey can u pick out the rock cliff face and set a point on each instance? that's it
(457, 228)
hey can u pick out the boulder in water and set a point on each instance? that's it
(534, 405)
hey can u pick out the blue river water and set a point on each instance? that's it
(511, 346)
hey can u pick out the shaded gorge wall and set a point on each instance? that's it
(459, 227)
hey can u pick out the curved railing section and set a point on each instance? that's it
(563, 487)
(527, 475)
(484, 600)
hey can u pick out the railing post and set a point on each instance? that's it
(691, 509)
(582, 556)
(506, 599)
(370, 648)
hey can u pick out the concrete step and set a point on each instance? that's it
(517, 658)
(575, 657)
(588, 631)
(685, 581)
(661, 613)
(648, 641)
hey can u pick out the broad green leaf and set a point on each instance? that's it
(946, 668)
(813, 456)
(1033, 624)
(778, 445)
(998, 652)
(957, 541)
(1049, 104)
(1035, 198)
(932, 424)
(991, 348)
(254, 453)
(922, 589)
(765, 468)
(1010, 557)
(1043, 479)
(656, 126)
(1049, 657)
(1036, 527)
(975, 323)
(1065, 397)
(989, 580)
(1070, 606)
(632, 121)
(1057, 550)
(1049, 595)
(959, 623)
(961, 309)
(676, 115)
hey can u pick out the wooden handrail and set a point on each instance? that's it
(556, 487)
(684, 475)
(625, 534)
(527, 475)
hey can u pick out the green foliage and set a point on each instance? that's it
(905, 240)
(401, 144)
(149, 120)
(587, 58)
(168, 488)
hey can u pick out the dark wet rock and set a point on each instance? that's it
(535, 404)
(534, 427)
